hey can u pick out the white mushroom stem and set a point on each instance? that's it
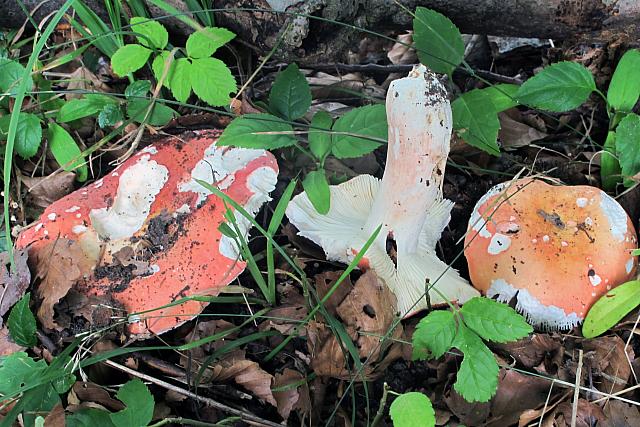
(407, 203)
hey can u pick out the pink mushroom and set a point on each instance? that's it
(153, 205)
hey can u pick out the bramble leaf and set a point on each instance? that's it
(368, 121)
(22, 323)
(11, 75)
(438, 41)
(109, 116)
(494, 321)
(476, 121)
(562, 86)
(154, 35)
(412, 409)
(290, 96)
(477, 378)
(160, 114)
(28, 135)
(212, 81)
(319, 140)
(434, 335)
(262, 131)
(129, 58)
(203, 43)
(139, 405)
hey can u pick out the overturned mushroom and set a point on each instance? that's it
(407, 202)
(152, 231)
(556, 249)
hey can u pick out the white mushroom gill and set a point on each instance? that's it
(407, 202)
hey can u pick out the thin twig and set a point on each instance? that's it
(245, 416)
(576, 392)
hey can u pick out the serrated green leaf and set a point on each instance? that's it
(109, 115)
(494, 321)
(17, 370)
(180, 79)
(434, 335)
(154, 35)
(11, 74)
(89, 417)
(290, 96)
(137, 89)
(65, 150)
(28, 135)
(611, 308)
(624, 89)
(212, 81)
(160, 114)
(438, 41)
(370, 120)
(258, 131)
(412, 409)
(476, 121)
(22, 323)
(319, 140)
(502, 96)
(477, 378)
(562, 86)
(627, 140)
(205, 42)
(139, 405)
(159, 63)
(129, 58)
(317, 188)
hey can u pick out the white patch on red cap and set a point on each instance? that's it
(499, 243)
(615, 214)
(629, 265)
(52, 216)
(478, 223)
(138, 187)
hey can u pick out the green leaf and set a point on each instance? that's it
(502, 96)
(438, 41)
(476, 121)
(370, 120)
(317, 188)
(627, 141)
(17, 370)
(226, 230)
(89, 417)
(129, 58)
(611, 308)
(138, 89)
(412, 410)
(559, 87)
(28, 135)
(610, 171)
(290, 96)
(160, 114)
(434, 335)
(205, 42)
(139, 401)
(624, 89)
(11, 74)
(319, 139)
(83, 107)
(154, 35)
(258, 131)
(477, 378)
(212, 81)
(494, 321)
(22, 324)
(65, 150)
(109, 116)
(180, 79)
(158, 65)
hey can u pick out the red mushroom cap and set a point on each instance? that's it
(154, 192)
(557, 249)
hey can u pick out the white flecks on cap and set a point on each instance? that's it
(78, 215)
(45, 232)
(564, 244)
(137, 189)
(260, 183)
(546, 317)
(52, 216)
(545, 238)
(588, 221)
(38, 226)
(499, 243)
(154, 268)
(629, 265)
(218, 168)
(78, 229)
(478, 223)
(184, 209)
(149, 149)
(615, 214)
(72, 209)
(594, 279)
(534, 241)
(582, 202)
(99, 183)
(114, 174)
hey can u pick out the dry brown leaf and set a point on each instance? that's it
(59, 265)
(43, 191)
(55, 418)
(532, 350)
(468, 413)
(7, 346)
(84, 80)
(284, 319)
(402, 51)
(514, 134)
(14, 281)
(610, 362)
(619, 414)
(90, 392)
(589, 414)
(325, 281)
(246, 373)
(295, 393)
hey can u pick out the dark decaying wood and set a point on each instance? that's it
(316, 40)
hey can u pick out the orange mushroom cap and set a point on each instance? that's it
(556, 249)
(157, 186)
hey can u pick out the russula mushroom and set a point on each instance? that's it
(407, 202)
(152, 206)
(556, 249)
